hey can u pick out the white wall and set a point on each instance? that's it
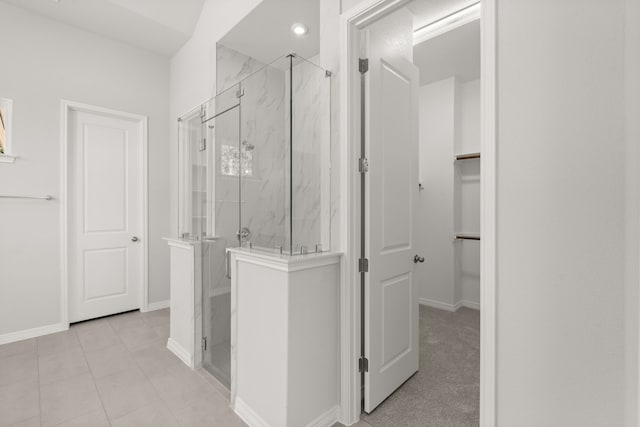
(436, 171)
(450, 202)
(560, 213)
(42, 63)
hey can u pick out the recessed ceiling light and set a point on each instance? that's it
(299, 29)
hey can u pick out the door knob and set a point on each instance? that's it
(418, 259)
(135, 239)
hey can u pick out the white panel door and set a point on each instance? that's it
(391, 195)
(105, 251)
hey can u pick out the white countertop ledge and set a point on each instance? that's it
(285, 262)
(182, 243)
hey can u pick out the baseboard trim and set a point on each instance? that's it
(438, 304)
(470, 304)
(449, 307)
(32, 333)
(180, 352)
(327, 419)
(248, 415)
(157, 305)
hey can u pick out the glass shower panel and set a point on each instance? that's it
(223, 150)
(262, 158)
(310, 157)
(193, 183)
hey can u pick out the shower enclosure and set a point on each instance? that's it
(255, 173)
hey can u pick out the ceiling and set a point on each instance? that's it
(454, 53)
(265, 34)
(161, 26)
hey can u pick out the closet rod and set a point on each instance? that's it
(467, 156)
(47, 197)
(467, 237)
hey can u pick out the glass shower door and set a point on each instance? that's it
(221, 127)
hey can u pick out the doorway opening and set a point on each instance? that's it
(417, 249)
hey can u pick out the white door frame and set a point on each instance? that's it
(351, 22)
(66, 108)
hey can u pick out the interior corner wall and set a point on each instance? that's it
(560, 213)
(43, 62)
(436, 171)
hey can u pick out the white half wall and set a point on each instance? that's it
(560, 213)
(43, 62)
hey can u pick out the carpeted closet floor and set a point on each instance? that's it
(445, 391)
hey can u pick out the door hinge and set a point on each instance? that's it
(363, 65)
(203, 343)
(203, 144)
(363, 165)
(363, 265)
(239, 93)
(363, 364)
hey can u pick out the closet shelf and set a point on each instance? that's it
(467, 156)
(467, 236)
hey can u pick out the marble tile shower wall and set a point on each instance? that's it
(311, 157)
(265, 126)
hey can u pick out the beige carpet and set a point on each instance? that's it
(445, 391)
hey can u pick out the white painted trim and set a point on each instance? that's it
(66, 107)
(449, 307)
(5, 158)
(445, 25)
(440, 305)
(326, 419)
(248, 415)
(354, 19)
(32, 333)
(488, 207)
(470, 304)
(152, 306)
(182, 353)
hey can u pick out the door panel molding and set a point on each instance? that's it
(66, 108)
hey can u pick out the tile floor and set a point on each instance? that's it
(114, 371)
